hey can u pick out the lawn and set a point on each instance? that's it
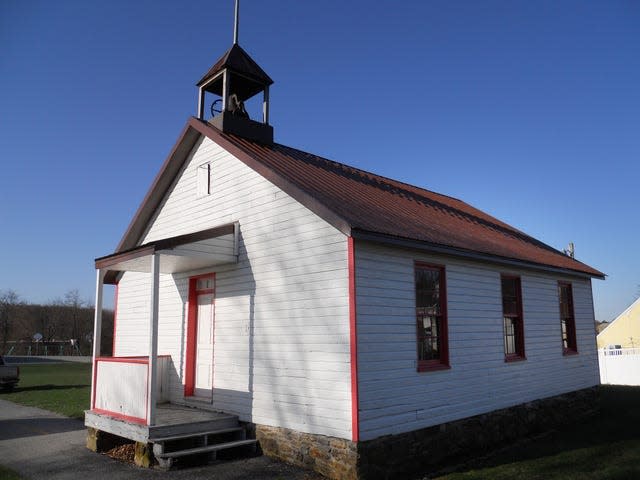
(61, 387)
(605, 448)
(7, 474)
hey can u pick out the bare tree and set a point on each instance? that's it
(72, 300)
(9, 300)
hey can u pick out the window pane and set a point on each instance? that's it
(427, 279)
(428, 337)
(509, 336)
(512, 316)
(204, 284)
(510, 306)
(509, 287)
(428, 289)
(565, 342)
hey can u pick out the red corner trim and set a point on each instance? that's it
(115, 318)
(190, 356)
(355, 420)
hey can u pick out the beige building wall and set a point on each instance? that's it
(624, 330)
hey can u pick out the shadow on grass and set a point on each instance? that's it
(47, 387)
(587, 444)
(35, 426)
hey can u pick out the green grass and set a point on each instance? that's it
(62, 387)
(7, 474)
(605, 448)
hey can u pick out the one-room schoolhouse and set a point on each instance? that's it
(334, 318)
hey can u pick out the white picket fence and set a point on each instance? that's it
(619, 366)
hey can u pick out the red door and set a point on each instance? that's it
(200, 338)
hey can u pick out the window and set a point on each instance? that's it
(567, 319)
(431, 317)
(512, 318)
(203, 180)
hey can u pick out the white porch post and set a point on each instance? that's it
(265, 105)
(201, 103)
(153, 340)
(97, 332)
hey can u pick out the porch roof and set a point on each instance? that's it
(192, 251)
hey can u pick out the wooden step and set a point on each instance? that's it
(194, 435)
(220, 423)
(207, 449)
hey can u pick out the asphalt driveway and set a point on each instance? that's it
(40, 444)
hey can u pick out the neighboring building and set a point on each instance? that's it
(624, 331)
(339, 313)
(600, 326)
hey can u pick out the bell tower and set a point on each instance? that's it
(234, 79)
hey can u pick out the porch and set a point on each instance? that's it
(130, 395)
(172, 421)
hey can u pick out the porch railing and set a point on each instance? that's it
(121, 386)
(619, 366)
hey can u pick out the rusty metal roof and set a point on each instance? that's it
(377, 205)
(367, 206)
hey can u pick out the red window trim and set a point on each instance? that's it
(572, 337)
(443, 362)
(192, 329)
(520, 353)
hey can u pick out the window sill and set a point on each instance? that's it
(569, 352)
(433, 367)
(514, 358)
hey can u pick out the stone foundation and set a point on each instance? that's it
(334, 458)
(429, 449)
(99, 441)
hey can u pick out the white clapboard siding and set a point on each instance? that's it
(281, 353)
(394, 397)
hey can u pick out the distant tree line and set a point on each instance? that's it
(24, 325)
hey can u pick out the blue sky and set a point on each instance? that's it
(527, 110)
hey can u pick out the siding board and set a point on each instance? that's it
(281, 353)
(395, 398)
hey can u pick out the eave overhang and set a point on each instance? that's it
(468, 254)
(192, 251)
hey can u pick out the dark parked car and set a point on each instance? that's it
(9, 376)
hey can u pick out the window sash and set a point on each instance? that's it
(567, 318)
(431, 319)
(512, 323)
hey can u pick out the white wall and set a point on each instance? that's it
(395, 398)
(281, 314)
